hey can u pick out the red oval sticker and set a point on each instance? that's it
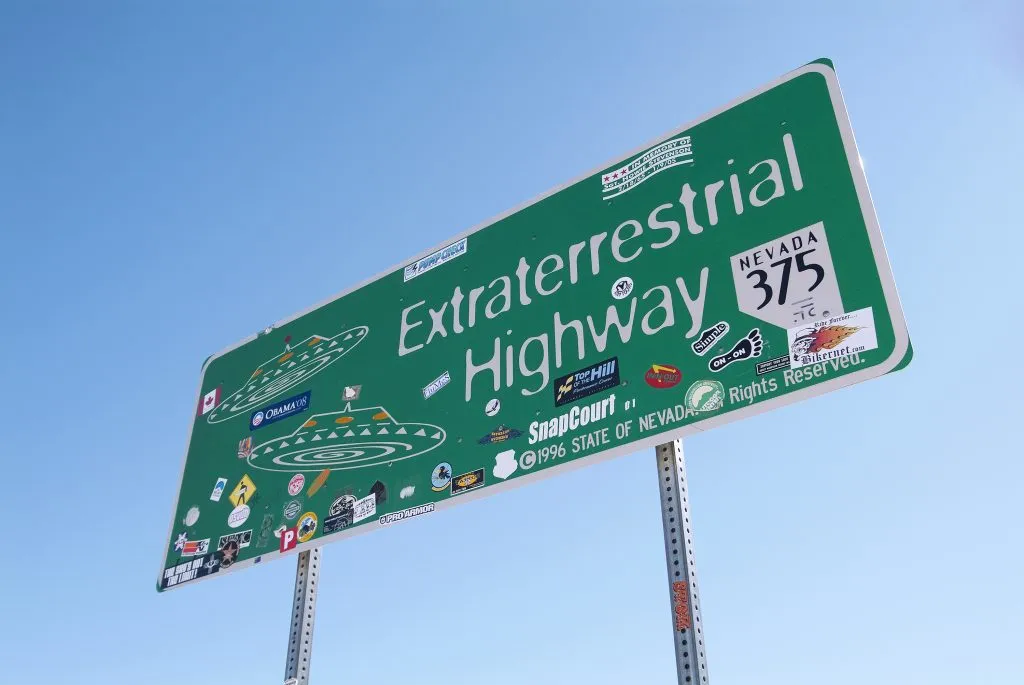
(663, 376)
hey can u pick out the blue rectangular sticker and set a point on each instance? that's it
(280, 410)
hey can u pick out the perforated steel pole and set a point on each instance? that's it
(691, 663)
(300, 641)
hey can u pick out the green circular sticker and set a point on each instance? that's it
(705, 396)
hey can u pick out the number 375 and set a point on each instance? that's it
(787, 267)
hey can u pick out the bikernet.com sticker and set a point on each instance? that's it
(831, 338)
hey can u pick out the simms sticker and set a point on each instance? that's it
(436, 384)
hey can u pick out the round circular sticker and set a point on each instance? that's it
(192, 516)
(340, 505)
(257, 418)
(295, 484)
(307, 526)
(441, 476)
(238, 516)
(622, 287)
(493, 407)
(291, 510)
(663, 376)
(705, 396)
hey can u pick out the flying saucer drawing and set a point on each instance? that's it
(347, 439)
(282, 372)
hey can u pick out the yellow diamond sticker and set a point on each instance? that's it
(243, 492)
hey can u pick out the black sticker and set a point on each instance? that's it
(587, 381)
(708, 338)
(747, 348)
(339, 516)
(467, 481)
(380, 491)
(228, 554)
(190, 570)
(770, 365)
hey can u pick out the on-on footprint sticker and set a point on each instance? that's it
(747, 348)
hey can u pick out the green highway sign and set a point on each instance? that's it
(733, 266)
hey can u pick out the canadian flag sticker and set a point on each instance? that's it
(210, 401)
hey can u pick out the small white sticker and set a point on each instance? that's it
(218, 489)
(436, 384)
(192, 516)
(505, 464)
(238, 516)
(622, 288)
(364, 508)
(832, 338)
(493, 407)
(407, 491)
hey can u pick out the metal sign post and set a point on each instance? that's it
(691, 663)
(300, 639)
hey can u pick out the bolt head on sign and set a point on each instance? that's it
(732, 266)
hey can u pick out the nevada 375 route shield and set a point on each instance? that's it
(731, 267)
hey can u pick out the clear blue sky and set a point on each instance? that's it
(175, 176)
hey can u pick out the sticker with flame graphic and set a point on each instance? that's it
(824, 338)
(837, 336)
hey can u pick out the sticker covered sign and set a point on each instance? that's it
(730, 267)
